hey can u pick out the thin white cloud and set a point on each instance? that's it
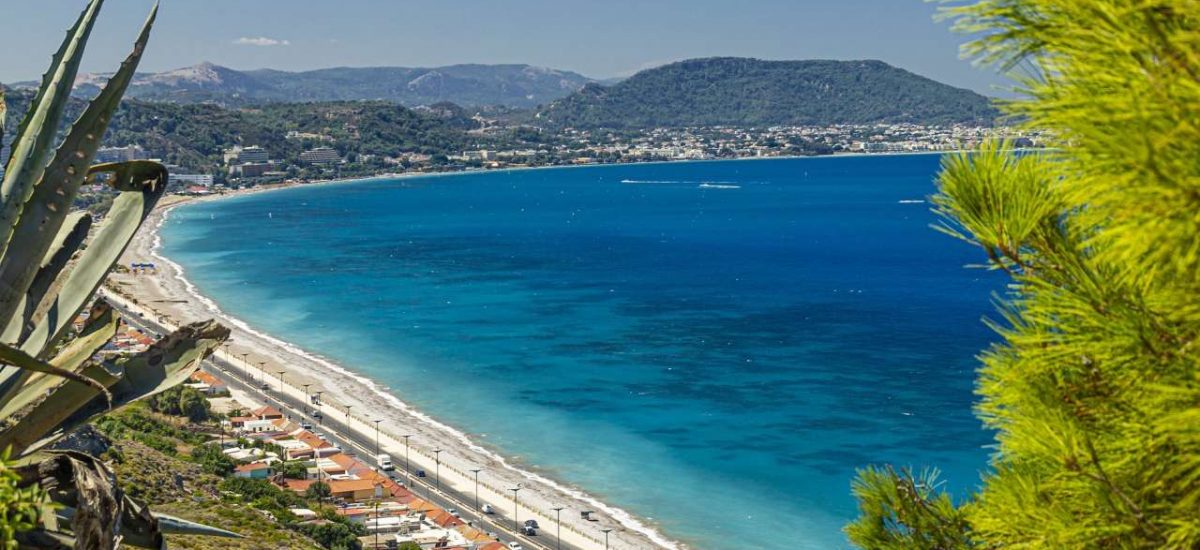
(260, 41)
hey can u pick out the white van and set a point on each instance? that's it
(385, 462)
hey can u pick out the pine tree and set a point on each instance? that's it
(1093, 389)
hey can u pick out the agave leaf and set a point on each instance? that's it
(52, 274)
(19, 359)
(47, 207)
(165, 364)
(31, 150)
(171, 525)
(146, 182)
(69, 238)
(100, 328)
(91, 505)
(3, 112)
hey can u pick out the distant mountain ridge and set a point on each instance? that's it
(751, 92)
(519, 86)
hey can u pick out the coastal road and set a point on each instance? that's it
(336, 431)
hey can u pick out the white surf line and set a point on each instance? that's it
(621, 516)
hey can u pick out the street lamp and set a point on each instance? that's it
(246, 364)
(437, 473)
(377, 441)
(477, 470)
(558, 520)
(305, 398)
(606, 531)
(280, 384)
(407, 473)
(514, 491)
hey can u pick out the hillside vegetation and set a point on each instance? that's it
(752, 92)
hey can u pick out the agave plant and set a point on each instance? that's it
(49, 273)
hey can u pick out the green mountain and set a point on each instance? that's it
(194, 135)
(475, 85)
(751, 92)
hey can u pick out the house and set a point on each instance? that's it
(254, 470)
(207, 384)
(266, 413)
(353, 490)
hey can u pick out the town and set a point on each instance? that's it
(245, 166)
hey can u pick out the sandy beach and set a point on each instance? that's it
(168, 296)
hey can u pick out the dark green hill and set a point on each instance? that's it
(752, 92)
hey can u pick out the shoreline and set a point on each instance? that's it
(179, 299)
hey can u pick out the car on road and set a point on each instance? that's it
(515, 546)
(487, 509)
(420, 473)
(385, 462)
(306, 425)
(532, 523)
(454, 512)
(529, 531)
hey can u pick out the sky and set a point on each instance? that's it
(599, 39)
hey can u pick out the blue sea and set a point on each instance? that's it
(713, 345)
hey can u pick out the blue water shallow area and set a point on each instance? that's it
(713, 345)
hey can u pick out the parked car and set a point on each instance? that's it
(420, 473)
(487, 509)
(454, 512)
(532, 523)
(306, 425)
(515, 546)
(529, 531)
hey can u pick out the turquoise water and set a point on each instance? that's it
(714, 345)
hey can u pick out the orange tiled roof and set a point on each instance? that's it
(350, 485)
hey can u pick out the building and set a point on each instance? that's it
(254, 470)
(203, 180)
(251, 169)
(120, 154)
(253, 153)
(320, 155)
(207, 384)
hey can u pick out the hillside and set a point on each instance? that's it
(751, 92)
(474, 85)
(194, 136)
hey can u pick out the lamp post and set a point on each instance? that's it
(376, 523)
(246, 364)
(476, 471)
(514, 492)
(558, 521)
(606, 532)
(305, 398)
(377, 441)
(407, 472)
(280, 385)
(347, 417)
(317, 407)
(437, 472)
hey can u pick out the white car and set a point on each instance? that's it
(515, 546)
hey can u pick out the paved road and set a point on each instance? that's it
(334, 430)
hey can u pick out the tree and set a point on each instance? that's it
(318, 491)
(293, 469)
(1092, 390)
(182, 401)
